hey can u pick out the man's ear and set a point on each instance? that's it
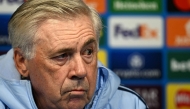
(21, 62)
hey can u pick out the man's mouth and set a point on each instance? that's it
(78, 92)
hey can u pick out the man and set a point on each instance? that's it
(53, 63)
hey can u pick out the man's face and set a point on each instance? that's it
(64, 69)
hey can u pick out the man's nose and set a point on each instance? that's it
(78, 69)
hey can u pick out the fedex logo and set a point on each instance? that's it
(135, 32)
(9, 6)
(141, 31)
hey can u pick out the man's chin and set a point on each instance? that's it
(76, 104)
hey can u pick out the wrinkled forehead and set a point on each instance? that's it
(65, 28)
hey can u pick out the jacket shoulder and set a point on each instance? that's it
(131, 98)
(126, 98)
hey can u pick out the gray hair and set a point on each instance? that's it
(28, 17)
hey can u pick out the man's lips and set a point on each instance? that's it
(78, 91)
(76, 94)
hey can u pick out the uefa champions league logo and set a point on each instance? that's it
(136, 61)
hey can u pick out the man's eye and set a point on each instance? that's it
(88, 55)
(62, 57)
(88, 52)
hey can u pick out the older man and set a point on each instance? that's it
(53, 63)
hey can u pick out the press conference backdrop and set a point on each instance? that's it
(145, 42)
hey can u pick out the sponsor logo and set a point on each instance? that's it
(136, 5)
(139, 32)
(136, 61)
(183, 98)
(178, 96)
(178, 32)
(151, 94)
(179, 65)
(178, 5)
(99, 5)
(9, 6)
(136, 65)
(102, 57)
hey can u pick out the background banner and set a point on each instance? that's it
(145, 42)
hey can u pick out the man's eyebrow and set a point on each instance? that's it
(89, 41)
(64, 50)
